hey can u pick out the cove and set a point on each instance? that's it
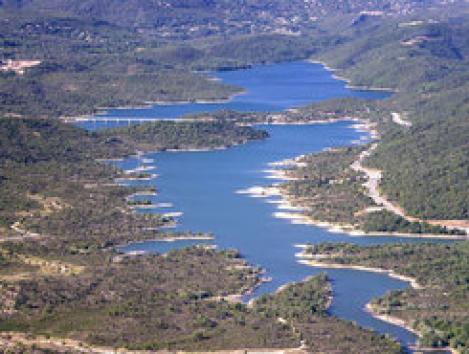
(203, 186)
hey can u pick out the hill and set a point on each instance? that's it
(199, 18)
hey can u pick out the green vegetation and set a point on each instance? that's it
(439, 310)
(425, 167)
(116, 57)
(52, 185)
(197, 19)
(68, 282)
(324, 111)
(299, 301)
(330, 190)
(162, 135)
(385, 221)
(327, 187)
(98, 308)
(304, 306)
(64, 279)
(88, 64)
(438, 157)
(150, 302)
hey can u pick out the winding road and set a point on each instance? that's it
(374, 177)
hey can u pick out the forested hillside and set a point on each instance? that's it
(427, 165)
(184, 19)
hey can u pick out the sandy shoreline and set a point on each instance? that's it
(350, 230)
(151, 206)
(264, 192)
(131, 178)
(316, 261)
(143, 193)
(186, 238)
(260, 191)
(396, 321)
(390, 319)
(280, 120)
(208, 149)
(290, 210)
(169, 239)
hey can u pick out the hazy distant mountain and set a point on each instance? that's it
(182, 19)
(154, 12)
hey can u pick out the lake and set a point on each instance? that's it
(268, 88)
(203, 186)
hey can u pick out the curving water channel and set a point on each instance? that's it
(203, 185)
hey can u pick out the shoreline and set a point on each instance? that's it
(335, 227)
(276, 121)
(389, 319)
(151, 206)
(288, 210)
(282, 287)
(148, 105)
(348, 229)
(184, 238)
(349, 81)
(168, 239)
(314, 261)
(361, 125)
(396, 321)
(206, 149)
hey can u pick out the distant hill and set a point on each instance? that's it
(192, 18)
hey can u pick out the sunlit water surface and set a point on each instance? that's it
(203, 186)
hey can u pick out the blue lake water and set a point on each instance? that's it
(203, 186)
(267, 88)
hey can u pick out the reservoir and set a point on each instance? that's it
(267, 88)
(204, 186)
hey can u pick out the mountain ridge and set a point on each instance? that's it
(209, 16)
